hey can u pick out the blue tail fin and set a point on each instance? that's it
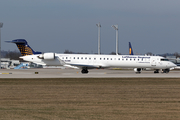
(23, 46)
(130, 49)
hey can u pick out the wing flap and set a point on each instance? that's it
(81, 65)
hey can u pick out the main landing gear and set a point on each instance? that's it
(84, 71)
(163, 71)
(156, 71)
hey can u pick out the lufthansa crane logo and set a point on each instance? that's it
(130, 51)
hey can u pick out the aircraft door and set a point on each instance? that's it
(153, 62)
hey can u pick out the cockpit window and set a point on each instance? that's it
(164, 60)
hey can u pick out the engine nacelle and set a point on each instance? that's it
(47, 56)
(137, 70)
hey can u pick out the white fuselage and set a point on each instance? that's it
(103, 61)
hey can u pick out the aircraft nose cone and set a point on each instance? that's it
(173, 65)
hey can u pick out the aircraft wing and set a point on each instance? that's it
(79, 65)
(178, 67)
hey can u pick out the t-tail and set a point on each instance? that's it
(23, 47)
(130, 49)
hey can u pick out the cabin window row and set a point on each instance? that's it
(86, 58)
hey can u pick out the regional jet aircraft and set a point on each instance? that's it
(90, 61)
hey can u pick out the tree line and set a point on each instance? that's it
(13, 55)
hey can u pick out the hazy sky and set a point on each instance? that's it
(57, 25)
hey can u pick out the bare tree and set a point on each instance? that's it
(112, 53)
(176, 54)
(68, 52)
(149, 53)
(13, 55)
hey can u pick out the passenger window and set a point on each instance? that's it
(82, 58)
(119, 59)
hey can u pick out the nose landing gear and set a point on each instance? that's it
(165, 70)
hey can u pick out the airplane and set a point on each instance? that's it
(91, 61)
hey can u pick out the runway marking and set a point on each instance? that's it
(5, 73)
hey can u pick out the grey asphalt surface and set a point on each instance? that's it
(76, 73)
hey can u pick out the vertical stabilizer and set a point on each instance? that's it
(130, 49)
(23, 47)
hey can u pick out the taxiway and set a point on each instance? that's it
(74, 73)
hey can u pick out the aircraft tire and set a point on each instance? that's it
(156, 71)
(84, 71)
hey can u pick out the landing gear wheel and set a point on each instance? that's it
(165, 70)
(156, 71)
(84, 71)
